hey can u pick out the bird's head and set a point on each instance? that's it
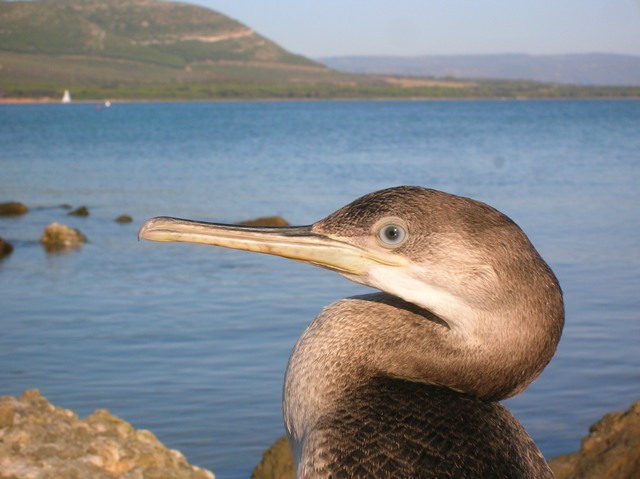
(451, 255)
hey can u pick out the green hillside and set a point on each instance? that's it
(151, 49)
(170, 34)
(113, 45)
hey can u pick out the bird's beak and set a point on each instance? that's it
(298, 243)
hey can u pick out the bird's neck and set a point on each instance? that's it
(357, 339)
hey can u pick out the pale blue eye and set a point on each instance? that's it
(392, 234)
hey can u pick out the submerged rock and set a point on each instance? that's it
(57, 237)
(611, 450)
(42, 441)
(276, 463)
(266, 221)
(5, 248)
(81, 211)
(12, 208)
(124, 219)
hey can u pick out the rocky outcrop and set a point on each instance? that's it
(123, 219)
(59, 237)
(611, 450)
(6, 248)
(42, 441)
(12, 208)
(266, 221)
(80, 211)
(276, 463)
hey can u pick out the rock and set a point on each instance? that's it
(12, 208)
(42, 441)
(58, 237)
(611, 450)
(124, 219)
(266, 221)
(5, 248)
(81, 211)
(276, 463)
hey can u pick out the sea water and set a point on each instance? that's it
(192, 342)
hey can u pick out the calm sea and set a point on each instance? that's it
(191, 342)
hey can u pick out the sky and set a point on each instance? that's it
(440, 27)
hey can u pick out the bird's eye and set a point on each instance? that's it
(392, 234)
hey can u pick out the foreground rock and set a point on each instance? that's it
(611, 450)
(276, 463)
(5, 248)
(12, 208)
(266, 221)
(41, 441)
(58, 237)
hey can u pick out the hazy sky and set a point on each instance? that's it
(422, 27)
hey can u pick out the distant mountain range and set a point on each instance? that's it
(576, 69)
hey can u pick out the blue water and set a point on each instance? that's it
(191, 342)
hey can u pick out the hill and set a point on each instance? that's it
(577, 69)
(151, 49)
(162, 33)
(112, 45)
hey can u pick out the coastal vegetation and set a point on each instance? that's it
(152, 50)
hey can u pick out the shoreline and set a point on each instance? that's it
(50, 101)
(11, 101)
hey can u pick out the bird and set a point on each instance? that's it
(406, 382)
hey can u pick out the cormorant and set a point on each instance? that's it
(405, 383)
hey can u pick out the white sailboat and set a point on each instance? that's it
(66, 98)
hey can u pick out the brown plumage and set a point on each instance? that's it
(403, 383)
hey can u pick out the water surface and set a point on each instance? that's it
(191, 342)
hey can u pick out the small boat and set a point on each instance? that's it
(66, 98)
